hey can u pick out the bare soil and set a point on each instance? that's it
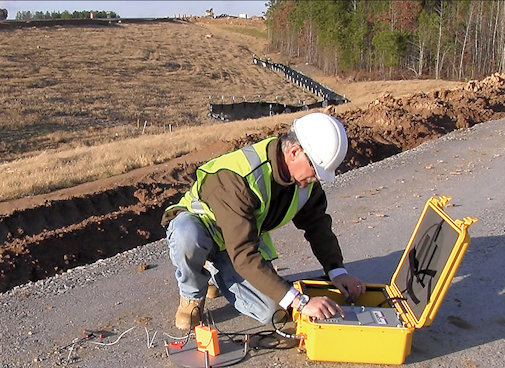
(48, 234)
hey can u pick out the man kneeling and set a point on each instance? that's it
(219, 230)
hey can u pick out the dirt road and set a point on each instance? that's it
(374, 210)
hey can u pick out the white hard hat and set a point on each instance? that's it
(324, 141)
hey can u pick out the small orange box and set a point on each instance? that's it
(206, 340)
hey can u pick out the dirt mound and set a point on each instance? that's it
(390, 125)
(66, 229)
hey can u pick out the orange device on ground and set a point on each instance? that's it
(378, 327)
(207, 340)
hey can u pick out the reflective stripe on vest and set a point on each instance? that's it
(197, 207)
(303, 197)
(255, 161)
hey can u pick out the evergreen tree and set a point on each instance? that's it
(437, 38)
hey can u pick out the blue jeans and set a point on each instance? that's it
(190, 246)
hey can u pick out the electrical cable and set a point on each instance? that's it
(284, 320)
(190, 330)
(71, 349)
(150, 341)
(261, 335)
(115, 342)
(244, 339)
(179, 337)
(221, 333)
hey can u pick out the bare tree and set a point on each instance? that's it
(468, 23)
(495, 29)
(501, 38)
(440, 13)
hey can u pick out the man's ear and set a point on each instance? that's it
(294, 151)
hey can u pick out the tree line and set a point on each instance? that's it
(85, 14)
(451, 39)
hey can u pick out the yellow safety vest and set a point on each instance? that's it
(252, 164)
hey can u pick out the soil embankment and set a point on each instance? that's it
(46, 235)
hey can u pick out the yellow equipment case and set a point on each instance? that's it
(378, 327)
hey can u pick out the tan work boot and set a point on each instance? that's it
(189, 313)
(212, 291)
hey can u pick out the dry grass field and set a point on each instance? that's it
(65, 87)
(74, 103)
(85, 103)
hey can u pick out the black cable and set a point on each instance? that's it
(261, 335)
(190, 327)
(221, 333)
(284, 321)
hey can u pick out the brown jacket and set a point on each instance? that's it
(234, 203)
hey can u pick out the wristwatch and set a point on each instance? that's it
(303, 301)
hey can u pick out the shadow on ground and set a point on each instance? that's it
(472, 312)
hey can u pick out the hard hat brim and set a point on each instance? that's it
(324, 175)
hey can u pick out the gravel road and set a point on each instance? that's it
(374, 209)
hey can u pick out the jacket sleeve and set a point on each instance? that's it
(316, 224)
(234, 203)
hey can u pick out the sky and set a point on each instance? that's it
(141, 9)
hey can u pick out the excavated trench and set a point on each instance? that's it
(57, 235)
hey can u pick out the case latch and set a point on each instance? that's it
(441, 201)
(465, 222)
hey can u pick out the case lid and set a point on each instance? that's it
(429, 262)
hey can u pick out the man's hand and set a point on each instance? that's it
(320, 307)
(351, 287)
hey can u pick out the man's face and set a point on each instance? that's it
(300, 167)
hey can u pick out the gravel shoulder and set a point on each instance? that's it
(374, 209)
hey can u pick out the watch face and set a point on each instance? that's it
(304, 299)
